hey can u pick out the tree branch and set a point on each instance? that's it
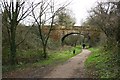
(24, 37)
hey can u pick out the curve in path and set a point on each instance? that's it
(73, 68)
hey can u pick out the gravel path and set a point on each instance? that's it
(73, 68)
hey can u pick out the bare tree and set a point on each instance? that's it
(15, 11)
(46, 15)
(104, 17)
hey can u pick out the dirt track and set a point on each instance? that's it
(73, 68)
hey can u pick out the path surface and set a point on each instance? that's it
(73, 68)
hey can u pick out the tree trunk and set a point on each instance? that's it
(44, 51)
(13, 47)
(13, 53)
(118, 31)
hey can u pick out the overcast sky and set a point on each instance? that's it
(80, 8)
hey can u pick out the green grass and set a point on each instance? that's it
(53, 59)
(59, 57)
(101, 64)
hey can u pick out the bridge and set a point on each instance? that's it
(60, 33)
(76, 29)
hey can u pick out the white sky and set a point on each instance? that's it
(79, 7)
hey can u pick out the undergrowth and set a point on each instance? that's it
(34, 59)
(101, 64)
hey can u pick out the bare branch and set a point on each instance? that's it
(24, 37)
(25, 14)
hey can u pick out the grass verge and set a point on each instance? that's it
(101, 64)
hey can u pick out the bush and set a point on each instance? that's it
(29, 56)
(5, 56)
(23, 57)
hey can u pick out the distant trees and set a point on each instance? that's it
(14, 11)
(65, 18)
(71, 39)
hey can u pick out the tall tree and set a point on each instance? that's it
(15, 11)
(107, 17)
(46, 15)
(104, 16)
